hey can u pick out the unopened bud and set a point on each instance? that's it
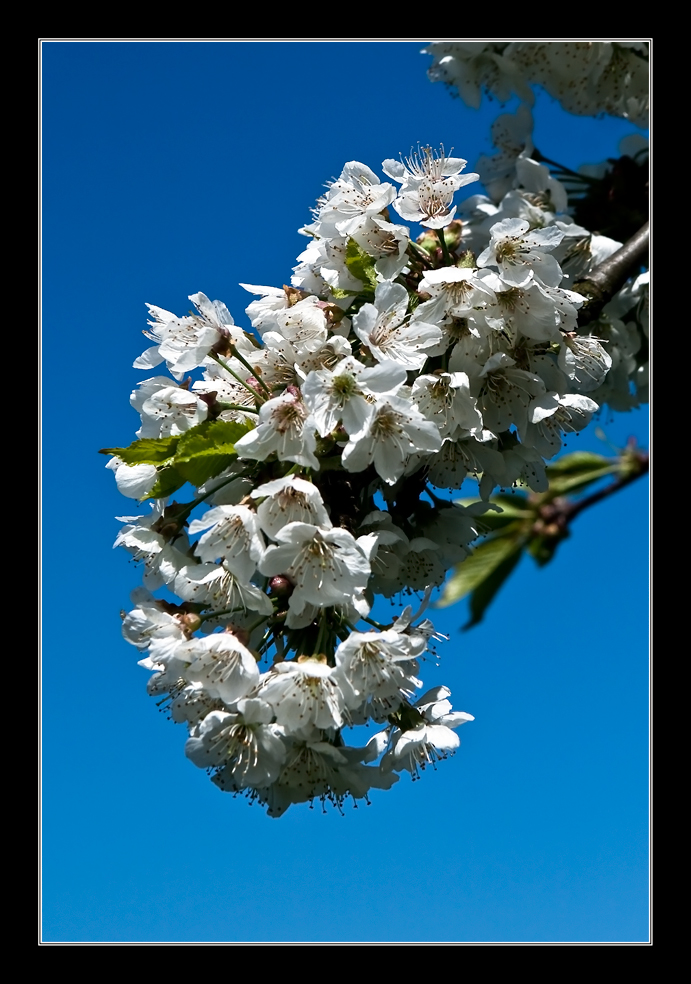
(280, 586)
(466, 260)
(453, 234)
(428, 241)
(191, 621)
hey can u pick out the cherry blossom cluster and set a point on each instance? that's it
(389, 370)
(587, 77)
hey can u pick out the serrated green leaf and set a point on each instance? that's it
(360, 264)
(339, 293)
(207, 450)
(169, 480)
(211, 435)
(199, 468)
(147, 451)
(199, 454)
(485, 592)
(480, 565)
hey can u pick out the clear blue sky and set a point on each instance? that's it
(171, 168)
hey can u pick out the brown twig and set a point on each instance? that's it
(555, 516)
(600, 286)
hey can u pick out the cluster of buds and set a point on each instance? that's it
(318, 445)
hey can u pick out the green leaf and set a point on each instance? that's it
(147, 451)
(578, 461)
(576, 471)
(199, 468)
(360, 264)
(560, 486)
(169, 480)
(486, 591)
(502, 524)
(339, 293)
(479, 566)
(212, 435)
(197, 455)
(207, 450)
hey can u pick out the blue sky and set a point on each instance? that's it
(171, 168)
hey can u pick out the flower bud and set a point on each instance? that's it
(453, 234)
(280, 586)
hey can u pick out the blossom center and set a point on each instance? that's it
(344, 386)
(288, 416)
(508, 250)
(387, 424)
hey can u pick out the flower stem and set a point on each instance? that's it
(320, 636)
(557, 514)
(377, 625)
(240, 380)
(585, 178)
(419, 254)
(250, 368)
(641, 467)
(256, 624)
(237, 406)
(201, 498)
(444, 247)
(225, 611)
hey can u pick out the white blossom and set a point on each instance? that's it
(286, 429)
(304, 693)
(242, 745)
(395, 430)
(327, 567)
(289, 500)
(521, 255)
(388, 368)
(429, 179)
(344, 395)
(233, 536)
(387, 333)
(221, 664)
(431, 738)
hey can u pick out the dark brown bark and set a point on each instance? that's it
(600, 286)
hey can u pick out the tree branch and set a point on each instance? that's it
(600, 286)
(555, 516)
